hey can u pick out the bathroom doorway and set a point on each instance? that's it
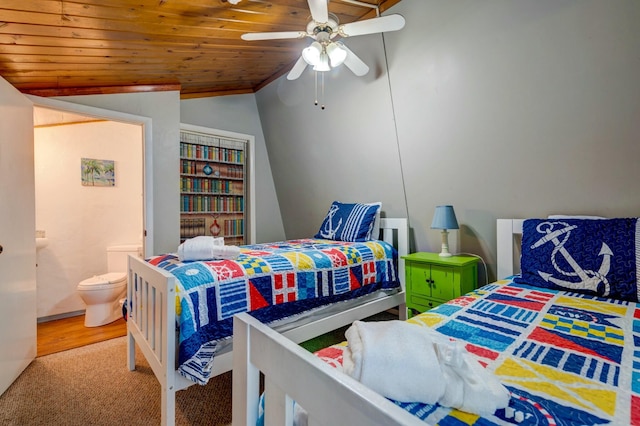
(77, 218)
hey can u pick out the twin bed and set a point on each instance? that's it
(563, 337)
(180, 314)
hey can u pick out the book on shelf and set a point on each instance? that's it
(214, 153)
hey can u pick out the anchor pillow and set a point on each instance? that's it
(588, 256)
(349, 222)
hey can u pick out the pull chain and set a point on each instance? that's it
(321, 89)
(316, 78)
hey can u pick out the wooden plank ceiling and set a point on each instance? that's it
(66, 47)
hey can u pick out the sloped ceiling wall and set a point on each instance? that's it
(503, 109)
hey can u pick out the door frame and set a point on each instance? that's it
(147, 147)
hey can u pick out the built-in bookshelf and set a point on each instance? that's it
(213, 186)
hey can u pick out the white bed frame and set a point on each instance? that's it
(293, 374)
(151, 325)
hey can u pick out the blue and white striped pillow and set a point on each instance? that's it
(349, 222)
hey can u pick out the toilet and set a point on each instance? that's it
(102, 293)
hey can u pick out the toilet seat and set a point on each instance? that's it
(104, 281)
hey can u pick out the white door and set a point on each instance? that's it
(17, 235)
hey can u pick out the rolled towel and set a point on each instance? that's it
(396, 359)
(410, 363)
(199, 248)
(225, 252)
(469, 386)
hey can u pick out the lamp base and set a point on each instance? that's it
(445, 244)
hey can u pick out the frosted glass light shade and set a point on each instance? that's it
(323, 63)
(336, 53)
(311, 54)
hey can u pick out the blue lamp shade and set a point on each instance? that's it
(444, 218)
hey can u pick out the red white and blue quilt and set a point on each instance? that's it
(271, 281)
(567, 358)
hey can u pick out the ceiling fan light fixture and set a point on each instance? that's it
(311, 54)
(323, 63)
(336, 53)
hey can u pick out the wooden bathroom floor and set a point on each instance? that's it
(68, 333)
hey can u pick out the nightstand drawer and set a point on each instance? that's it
(424, 302)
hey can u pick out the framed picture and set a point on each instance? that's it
(98, 172)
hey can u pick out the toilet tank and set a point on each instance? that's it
(117, 256)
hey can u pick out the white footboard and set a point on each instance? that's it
(151, 326)
(293, 374)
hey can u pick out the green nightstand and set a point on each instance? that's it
(433, 280)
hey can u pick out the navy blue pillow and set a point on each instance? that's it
(349, 222)
(598, 257)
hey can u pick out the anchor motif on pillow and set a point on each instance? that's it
(558, 234)
(329, 232)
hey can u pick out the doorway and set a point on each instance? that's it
(77, 221)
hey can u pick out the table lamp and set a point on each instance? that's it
(444, 218)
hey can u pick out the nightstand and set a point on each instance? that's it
(433, 280)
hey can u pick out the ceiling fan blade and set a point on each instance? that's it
(374, 25)
(354, 63)
(276, 35)
(297, 69)
(319, 10)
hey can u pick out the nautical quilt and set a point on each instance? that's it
(567, 358)
(271, 281)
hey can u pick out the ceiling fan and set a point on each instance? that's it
(324, 53)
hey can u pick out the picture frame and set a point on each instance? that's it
(96, 172)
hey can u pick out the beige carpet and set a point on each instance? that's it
(92, 386)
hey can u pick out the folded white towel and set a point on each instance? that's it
(206, 248)
(225, 252)
(410, 363)
(469, 386)
(394, 358)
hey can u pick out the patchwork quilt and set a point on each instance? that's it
(567, 358)
(271, 281)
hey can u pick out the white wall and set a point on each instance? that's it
(233, 113)
(164, 110)
(239, 113)
(502, 108)
(81, 221)
(346, 152)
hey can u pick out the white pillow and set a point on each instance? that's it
(564, 216)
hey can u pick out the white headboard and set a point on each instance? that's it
(395, 231)
(507, 229)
